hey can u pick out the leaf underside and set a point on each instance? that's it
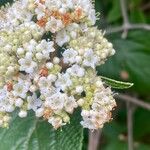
(116, 84)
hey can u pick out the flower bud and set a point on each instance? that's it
(20, 51)
(56, 60)
(66, 118)
(33, 88)
(39, 112)
(19, 102)
(39, 56)
(79, 89)
(52, 77)
(49, 65)
(99, 83)
(80, 102)
(22, 114)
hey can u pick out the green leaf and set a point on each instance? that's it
(142, 125)
(133, 56)
(111, 133)
(33, 134)
(116, 84)
(115, 135)
(115, 12)
(137, 15)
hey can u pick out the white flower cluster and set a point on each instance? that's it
(49, 51)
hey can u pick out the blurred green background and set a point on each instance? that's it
(131, 63)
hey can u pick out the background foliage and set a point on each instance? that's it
(131, 63)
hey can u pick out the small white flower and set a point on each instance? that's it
(19, 102)
(63, 81)
(56, 60)
(54, 25)
(20, 51)
(93, 120)
(49, 65)
(56, 122)
(40, 11)
(39, 112)
(62, 38)
(44, 83)
(53, 4)
(87, 123)
(22, 114)
(79, 89)
(76, 70)
(52, 77)
(70, 104)
(47, 92)
(27, 65)
(9, 108)
(67, 4)
(33, 88)
(103, 99)
(33, 102)
(39, 56)
(21, 88)
(90, 59)
(3, 94)
(92, 16)
(30, 47)
(45, 46)
(24, 53)
(73, 30)
(69, 56)
(81, 102)
(56, 101)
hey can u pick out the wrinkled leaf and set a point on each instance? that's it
(33, 134)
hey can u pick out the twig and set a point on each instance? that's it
(129, 27)
(130, 125)
(133, 100)
(146, 6)
(94, 138)
(124, 11)
(125, 17)
(126, 24)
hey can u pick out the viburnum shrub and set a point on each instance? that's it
(49, 50)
